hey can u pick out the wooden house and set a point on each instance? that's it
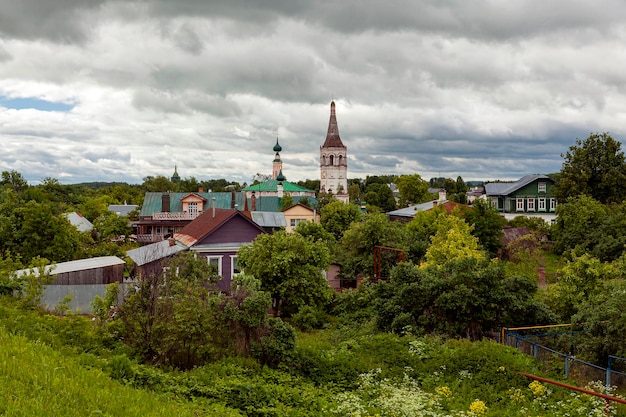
(530, 196)
(217, 235)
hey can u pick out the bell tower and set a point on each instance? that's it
(334, 161)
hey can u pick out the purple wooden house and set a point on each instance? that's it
(217, 235)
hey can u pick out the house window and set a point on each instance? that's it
(294, 222)
(541, 187)
(531, 204)
(192, 209)
(520, 204)
(234, 268)
(494, 202)
(217, 261)
(552, 204)
(542, 204)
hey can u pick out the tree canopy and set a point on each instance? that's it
(289, 267)
(594, 166)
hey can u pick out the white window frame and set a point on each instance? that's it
(552, 204)
(233, 260)
(541, 206)
(542, 187)
(294, 222)
(219, 262)
(530, 204)
(519, 206)
(192, 208)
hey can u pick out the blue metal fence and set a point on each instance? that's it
(573, 367)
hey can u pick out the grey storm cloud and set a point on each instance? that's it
(480, 89)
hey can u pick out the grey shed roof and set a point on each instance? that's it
(79, 222)
(411, 210)
(506, 188)
(269, 218)
(155, 251)
(79, 265)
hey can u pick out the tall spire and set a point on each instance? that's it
(332, 137)
(277, 164)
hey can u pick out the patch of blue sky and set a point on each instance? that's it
(22, 103)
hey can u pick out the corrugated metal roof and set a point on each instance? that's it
(154, 252)
(79, 265)
(272, 185)
(153, 201)
(410, 211)
(79, 222)
(272, 203)
(506, 188)
(269, 218)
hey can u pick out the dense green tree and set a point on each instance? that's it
(361, 237)
(189, 185)
(13, 180)
(354, 193)
(602, 318)
(487, 225)
(110, 225)
(323, 199)
(93, 207)
(464, 297)
(289, 267)
(576, 221)
(413, 189)
(170, 318)
(310, 184)
(336, 217)
(380, 195)
(286, 201)
(596, 167)
(158, 184)
(579, 280)
(316, 233)
(453, 240)
(420, 231)
(34, 229)
(461, 187)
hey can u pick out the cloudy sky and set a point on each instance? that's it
(99, 90)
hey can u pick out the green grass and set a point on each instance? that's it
(36, 380)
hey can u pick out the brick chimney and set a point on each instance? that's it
(253, 201)
(165, 202)
(200, 189)
(232, 199)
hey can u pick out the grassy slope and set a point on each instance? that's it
(36, 380)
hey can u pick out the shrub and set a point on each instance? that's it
(277, 344)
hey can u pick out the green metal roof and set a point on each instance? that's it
(271, 203)
(152, 202)
(272, 185)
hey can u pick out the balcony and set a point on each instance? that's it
(181, 215)
(147, 238)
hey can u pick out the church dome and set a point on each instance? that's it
(277, 147)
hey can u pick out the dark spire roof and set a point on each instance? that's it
(277, 147)
(175, 176)
(280, 176)
(332, 137)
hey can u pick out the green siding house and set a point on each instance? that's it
(530, 195)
